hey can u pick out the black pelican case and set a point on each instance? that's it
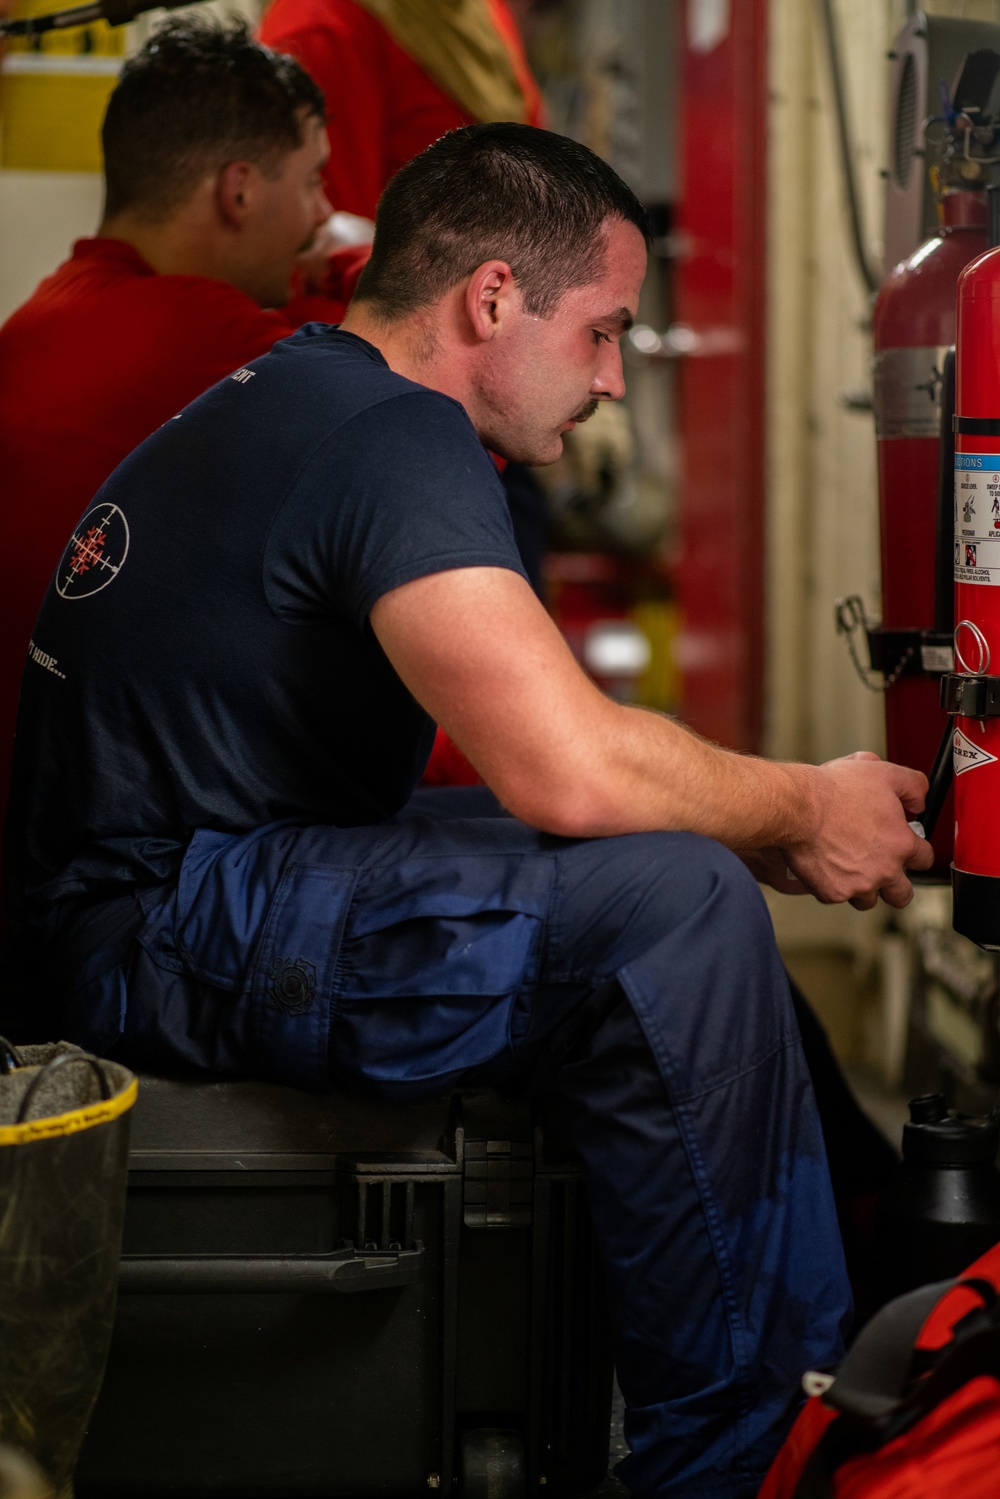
(332, 1296)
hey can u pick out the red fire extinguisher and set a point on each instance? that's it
(913, 326)
(972, 694)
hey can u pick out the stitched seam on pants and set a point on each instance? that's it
(552, 940)
(544, 943)
(723, 1079)
(723, 1264)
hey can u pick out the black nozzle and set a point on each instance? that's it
(939, 1138)
(929, 1108)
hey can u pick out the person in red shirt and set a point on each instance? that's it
(214, 155)
(397, 74)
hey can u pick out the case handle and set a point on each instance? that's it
(345, 1270)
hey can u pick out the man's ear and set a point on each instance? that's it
(233, 192)
(490, 297)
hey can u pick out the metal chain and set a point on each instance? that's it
(850, 616)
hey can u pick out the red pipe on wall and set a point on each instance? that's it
(721, 298)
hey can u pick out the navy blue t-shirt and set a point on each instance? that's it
(203, 657)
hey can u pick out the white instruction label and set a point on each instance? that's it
(968, 756)
(937, 658)
(977, 518)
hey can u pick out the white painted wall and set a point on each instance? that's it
(41, 214)
(823, 513)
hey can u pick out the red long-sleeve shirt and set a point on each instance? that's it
(382, 108)
(102, 353)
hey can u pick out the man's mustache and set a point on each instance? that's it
(585, 412)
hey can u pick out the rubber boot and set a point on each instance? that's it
(64, 1119)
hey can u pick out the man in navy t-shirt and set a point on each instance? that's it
(253, 562)
(228, 702)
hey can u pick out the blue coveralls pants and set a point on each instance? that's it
(639, 973)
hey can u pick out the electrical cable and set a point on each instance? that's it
(869, 272)
(115, 12)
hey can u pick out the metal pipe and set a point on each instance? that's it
(867, 269)
(79, 15)
(115, 12)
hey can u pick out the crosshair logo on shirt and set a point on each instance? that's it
(95, 553)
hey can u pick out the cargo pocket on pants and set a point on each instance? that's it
(293, 973)
(434, 955)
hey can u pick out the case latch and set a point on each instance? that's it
(498, 1184)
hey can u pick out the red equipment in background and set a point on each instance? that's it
(720, 290)
(913, 327)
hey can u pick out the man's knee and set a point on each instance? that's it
(680, 924)
(618, 898)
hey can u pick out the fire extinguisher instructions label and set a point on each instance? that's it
(977, 518)
(968, 756)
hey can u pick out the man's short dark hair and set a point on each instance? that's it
(197, 96)
(494, 192)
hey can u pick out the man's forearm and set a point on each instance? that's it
(652, 772)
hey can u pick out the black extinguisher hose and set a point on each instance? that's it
(944, 572)
(940, 780)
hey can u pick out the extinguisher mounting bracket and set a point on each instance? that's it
(894, 653)
(910, 652)
(971, 696)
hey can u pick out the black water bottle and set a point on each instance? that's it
(941, 1210)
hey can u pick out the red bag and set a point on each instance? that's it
(914, 1410)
